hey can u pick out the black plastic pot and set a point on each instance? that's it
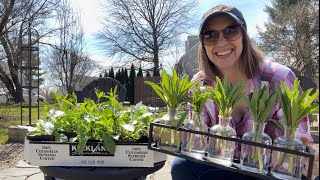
(143, 139)
(40, 137)
(69, 134)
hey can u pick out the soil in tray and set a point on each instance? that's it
(143, 139)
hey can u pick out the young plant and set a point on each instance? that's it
(100, 121)
(66, 104)
(295, 106)
(225, 95)
(135, 121)
(199, 99)
(173, 90)
(42, 128)
(260, 107)
(103, 121)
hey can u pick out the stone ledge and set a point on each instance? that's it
(18, 133)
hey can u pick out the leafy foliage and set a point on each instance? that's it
(173, 90)
(225, 95)
(105, 121)
(261, 104)
(295, 104)
(198, 99)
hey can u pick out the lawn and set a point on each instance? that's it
(10, 115)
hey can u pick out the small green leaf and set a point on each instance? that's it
(180, 122)
(277, 123)
(82, 143)
(109, 144)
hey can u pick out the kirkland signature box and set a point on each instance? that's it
(50, 153)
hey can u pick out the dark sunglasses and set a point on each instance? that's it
(231, 33)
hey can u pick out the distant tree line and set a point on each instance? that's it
(127, 79)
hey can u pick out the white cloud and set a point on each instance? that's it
(90, 13)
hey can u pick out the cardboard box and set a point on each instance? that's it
(50, 153)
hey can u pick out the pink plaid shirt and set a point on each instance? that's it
(270, 72)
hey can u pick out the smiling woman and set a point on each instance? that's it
(224, 44)
(226, 52)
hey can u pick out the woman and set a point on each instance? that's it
(226, 51)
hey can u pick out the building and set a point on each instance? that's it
(188, 62)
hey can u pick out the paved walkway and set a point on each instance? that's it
(24, 171)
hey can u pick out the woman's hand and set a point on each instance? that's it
(315, 170)
(155, 133)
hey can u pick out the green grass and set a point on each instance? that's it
(13, 112)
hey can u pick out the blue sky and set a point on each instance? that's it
(252, 11)
(90, 12)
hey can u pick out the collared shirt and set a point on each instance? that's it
(271, 73)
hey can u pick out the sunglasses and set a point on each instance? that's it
(231, 33)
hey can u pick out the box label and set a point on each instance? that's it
(90, 149)
(136, 154)
(46, 153)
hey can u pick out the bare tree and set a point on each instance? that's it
(292, 35)
(46, 91)
(22, 14)
(144, 29)
(68, 62)
(5, 12)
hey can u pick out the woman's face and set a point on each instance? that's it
(224, 54)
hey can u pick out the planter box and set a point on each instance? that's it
(50, 153)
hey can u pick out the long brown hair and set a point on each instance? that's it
(250, 62)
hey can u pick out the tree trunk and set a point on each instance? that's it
(13, 85)
(16, 94)
(155, 50)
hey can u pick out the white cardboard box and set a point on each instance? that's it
(46, 153)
